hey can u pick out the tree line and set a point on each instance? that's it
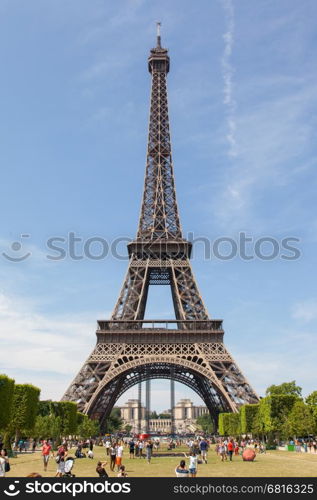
(282, 414)
(22, 414)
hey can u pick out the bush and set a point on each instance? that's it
(24, 406)
(6, 398)
(248, 418)
(67, 411)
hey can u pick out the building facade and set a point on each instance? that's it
(185, 417)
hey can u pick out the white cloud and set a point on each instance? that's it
(263, 368)
(274, 137)
(45, 349)
(227, 74)
(306, 311)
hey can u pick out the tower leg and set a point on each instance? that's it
(140, 408)
(172, 403)
(148, 403)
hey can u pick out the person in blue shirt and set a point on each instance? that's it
(203, 446)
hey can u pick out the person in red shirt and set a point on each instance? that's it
(46, 450)
(230, 447)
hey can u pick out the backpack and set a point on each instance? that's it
(7, 467)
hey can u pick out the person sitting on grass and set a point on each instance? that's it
(181, 470)
(122, 472)
(100, 469)
(79, 452)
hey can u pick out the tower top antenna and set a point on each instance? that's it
(158, 33)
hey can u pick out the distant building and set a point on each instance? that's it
(185, 416)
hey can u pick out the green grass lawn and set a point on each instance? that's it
(271, 464)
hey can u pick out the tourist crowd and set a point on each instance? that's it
(136, 448)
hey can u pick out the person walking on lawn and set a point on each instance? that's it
(203, 445)
(230, 448)
(46, 450)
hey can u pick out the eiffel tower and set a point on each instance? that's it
(188, 349)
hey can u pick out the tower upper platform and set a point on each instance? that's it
(158, 59)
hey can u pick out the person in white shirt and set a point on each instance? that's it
(192, 464)
(2, 467)
(119, 453)
(3, 461)
(107, 446)
(141, 446)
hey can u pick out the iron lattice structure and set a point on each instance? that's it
(189, 349)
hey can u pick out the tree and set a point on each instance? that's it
(42, 427)
(55, 428)
(224, 424)
(274, 411)
(311, 401)
(206, 423)
(87, 427)
(67, 411)
(229, 424)
(234, 424)
(285, 389)
(153, 415)
(128, 428)
(45, 408)
(300, 421)
(114, 421)
(164, 415)
(23, 410)
(248, 418)
(48, 426)
(6, 398)
(56, 419)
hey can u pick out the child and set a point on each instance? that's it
(193, 461)
(222, 451)
(122, 472)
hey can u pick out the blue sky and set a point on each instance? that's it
(74, 110)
